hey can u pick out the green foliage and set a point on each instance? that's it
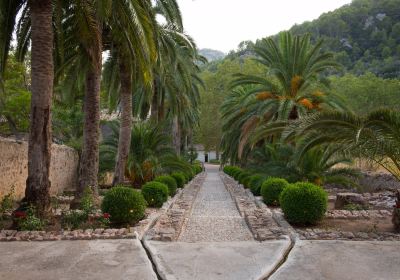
(169, 181)
(303, 203)
(236, 173)
(374, 136)
(243, 176)
(73, 219)
(87, 201)
(255, 182)
(31, 221)
(6, 203)
(124, 205)
(294, 88)
(179, 178)
(15, 98)
(355, 207)
(367, 92)
(197, 168)
(150, 153)
(364, 34)
(155, 193)
(271, 189)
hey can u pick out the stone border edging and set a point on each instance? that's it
(169, 225)
(259, 219)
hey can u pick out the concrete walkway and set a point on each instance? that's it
(344, 260)
(216, 243)
(64, 260)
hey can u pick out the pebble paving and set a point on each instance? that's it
(214, 215)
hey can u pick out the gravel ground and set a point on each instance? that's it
(214, 215)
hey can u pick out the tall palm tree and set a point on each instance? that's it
(39, 147)
(292, 88)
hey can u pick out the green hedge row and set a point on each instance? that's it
(302, 202)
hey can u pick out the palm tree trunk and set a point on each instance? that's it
(38, 185)
(89, 162)
(154, 104)
(176, 136)
(125, 129)
(161, 108)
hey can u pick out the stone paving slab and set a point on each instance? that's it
(216, 229)
(216, 260)
(344, 260)
(64, 260)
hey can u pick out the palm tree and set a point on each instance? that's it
(291, 89)
(39, 147)
(150, 153)
(375, 136)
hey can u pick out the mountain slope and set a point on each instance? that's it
(365, 35)
(211, 55)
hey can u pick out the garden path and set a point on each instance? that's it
(215, 216)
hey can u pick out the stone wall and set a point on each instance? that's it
(14, 167)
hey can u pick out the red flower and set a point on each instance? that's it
(19, 214)
(106, 216)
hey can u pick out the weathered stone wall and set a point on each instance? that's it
(14, 167)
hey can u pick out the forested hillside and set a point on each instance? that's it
(365, 35)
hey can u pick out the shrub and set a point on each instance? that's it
(271, 190)
(125, 205)
(236, 173)
(242, 177)
(179, 178)
(197, 168)
(87, 201)
(30, 221)
(228, 169)
(303, 203)
(155, 193)
(255, 182)
(169, 181)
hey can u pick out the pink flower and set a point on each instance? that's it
(106, 215)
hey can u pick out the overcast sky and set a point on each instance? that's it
(223, 24)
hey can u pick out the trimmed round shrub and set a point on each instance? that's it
(255, 182)
(125, 205)
(228, 169)
(197, 167)
(236, 173)
(179, 178)
(271, 190)
(169, 181)
(303, 203)
(155, 193)
(242, 177)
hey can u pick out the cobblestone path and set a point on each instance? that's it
(215, 216)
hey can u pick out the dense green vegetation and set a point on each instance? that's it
(364, 36)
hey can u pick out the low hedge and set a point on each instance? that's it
(255, 182)
(179, 178)
(303, 203)
(243, 176)
(271, 190)
(125, 205)
(169, 181)
(236, 173)
(155, 193)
